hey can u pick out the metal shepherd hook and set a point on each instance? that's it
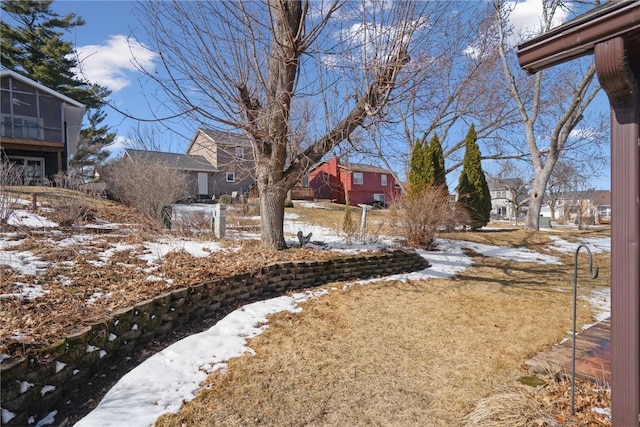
(593, 274)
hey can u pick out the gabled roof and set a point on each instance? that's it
(40, 87)
(503, 184)
(597, 197)
(602, 198)
(220, 137)
(360, 167)
(183, 162)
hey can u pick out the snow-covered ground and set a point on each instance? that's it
(141, 396)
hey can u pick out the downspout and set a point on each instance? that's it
(621, 83)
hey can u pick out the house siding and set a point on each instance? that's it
(221, 153)
(41, 123)
(331, 181)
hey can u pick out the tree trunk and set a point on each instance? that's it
(272, 201)
(532, 221)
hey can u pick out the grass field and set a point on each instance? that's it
(405, 354)
(437, 352)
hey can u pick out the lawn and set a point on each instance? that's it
(391, 352)
(400, 353)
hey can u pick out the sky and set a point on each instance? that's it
(161, 383)
(112, 33)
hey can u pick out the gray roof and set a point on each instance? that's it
(360, 167)
(503, 184)
(223, 137)
(184, 162)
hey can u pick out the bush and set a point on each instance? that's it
(417, 218)
(9, 176)
(349, 227)
(69, 180)
(145, 185)
(226, 199)
(288, 204)
(70, 211)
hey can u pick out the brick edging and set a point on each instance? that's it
(35, 384)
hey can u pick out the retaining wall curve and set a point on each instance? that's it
(37, 383)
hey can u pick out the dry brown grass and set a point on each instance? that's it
(520, 405)
(378, 220)
(418, 353)
(395, 354)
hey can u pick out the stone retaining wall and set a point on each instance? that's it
(35, 384)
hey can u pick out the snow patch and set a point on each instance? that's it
(47, 389)
(48, 420)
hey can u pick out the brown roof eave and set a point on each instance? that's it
(578, 37)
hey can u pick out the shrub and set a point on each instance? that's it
(226, 199)
(418, 217)
(288, 204)
(250, 207)
(9, 176)
(349, 227)
(70, 180)
(192, 223)
(146, 185)
(70, 211)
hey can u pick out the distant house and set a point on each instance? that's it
(507, 196)
(602, 206)
(231, 155)
(590, 206)
(40, 127)
(365, 184)
(199, 171)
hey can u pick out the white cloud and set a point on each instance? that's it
(118, 146)
(526, 17)
(584, 133)
(112, 64)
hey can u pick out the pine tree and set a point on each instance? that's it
(35, 48)
(437, 162)
(417, 172)
(91, 148)
(473, 191)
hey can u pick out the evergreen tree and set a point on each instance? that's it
(437, 163)
(91, 147)
(426, 167)
(473, 191)
(418, 172)
(35, 47)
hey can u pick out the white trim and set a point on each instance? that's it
(40, 175)
(233, 176)
(358, 181)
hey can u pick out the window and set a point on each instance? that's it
(29, 114)
(383, 180)
(31, 169)
(231, 177)
(240, 152)
(358, 179)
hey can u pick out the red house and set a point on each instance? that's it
(365, 184)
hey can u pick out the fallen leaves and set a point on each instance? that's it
(87, 279)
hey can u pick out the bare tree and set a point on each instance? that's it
(297, 77)
(457, 86)
(550, 104)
